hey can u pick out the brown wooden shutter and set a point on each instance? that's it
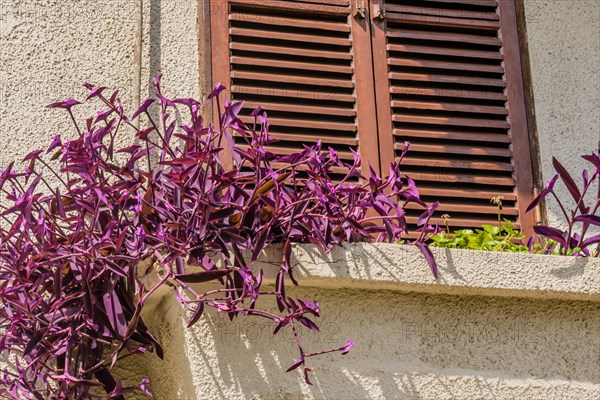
(448, 79)
(296, 59)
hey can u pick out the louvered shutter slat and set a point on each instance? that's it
(454, 223)
(436, 21)
(444, 51)
(288, 36)
(451, 93)
(452, 135)
(464, 93)
(283, 150)
(464, 80)
(292, 78)
(291, 65)
(304, 138)
(423, 105)
(465, 122)
(408, 9)
(334, 169)
(481, 3)
(322, 7)
(302, 108)
(450, 150)
(292, 51)
(415, 62)
(449, 207)
(242, 91)
(426, 189)
(285, 21)
(342, 3)
(442, 37)
(305, 123)
(462, 163)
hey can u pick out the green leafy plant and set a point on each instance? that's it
(490, 237)
(501, 237)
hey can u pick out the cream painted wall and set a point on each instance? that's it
(48, 47)
(564, 47)
(408, 346)
(531, 333)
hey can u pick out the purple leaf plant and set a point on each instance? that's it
(69, 253)
(574, 240)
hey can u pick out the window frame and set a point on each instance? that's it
(525, 149)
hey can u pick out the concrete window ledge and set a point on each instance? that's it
(462, 272)
(496, 326)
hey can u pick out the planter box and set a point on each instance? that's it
(462, 272)
(496, 325)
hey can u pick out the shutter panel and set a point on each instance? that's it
(448, 79)
(296, 60)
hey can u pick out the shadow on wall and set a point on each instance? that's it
(407, 346)
(154, 45)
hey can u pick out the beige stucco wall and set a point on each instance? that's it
(49, 47)
(531, 334)
(564, 47)
(409, 345)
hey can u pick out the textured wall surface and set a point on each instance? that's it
(49, 47)
(412, 342)
(409, 345)
(564, 47)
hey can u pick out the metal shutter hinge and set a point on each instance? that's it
(378, 12)
(359, 9)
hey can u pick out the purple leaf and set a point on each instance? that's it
(260, 245)
(197, 314)
(34, 155)
(56, 142)
(95, 92)
(349, 346)
(308, 323)
(588, 219)
(281, 324)
(216, 91)
(143, 108)
(551, 233)
(156, 82)
(166, 102)
(545, 192)
(296, 364)
(187, 102)
(280, 287)
(593, 158)
(114, 311)
(306, 378)
(144, 387)
(569, 182)
(66, 104)
(590, 241)
(430, 259)
(179, 265)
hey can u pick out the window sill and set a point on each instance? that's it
(462, 272)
